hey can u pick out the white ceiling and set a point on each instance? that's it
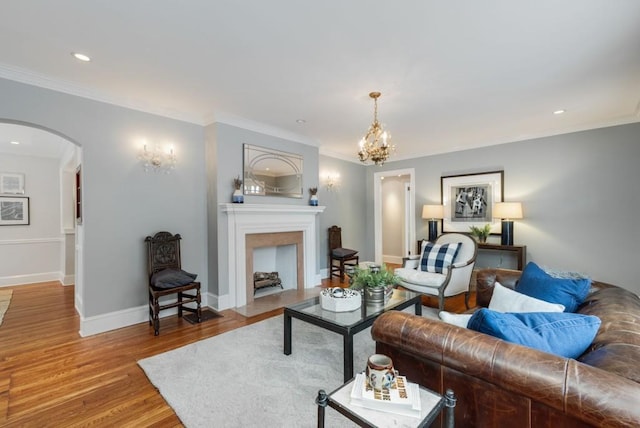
(453, 74)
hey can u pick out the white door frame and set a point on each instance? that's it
(377, 209)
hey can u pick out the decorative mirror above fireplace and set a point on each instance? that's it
(269, 172)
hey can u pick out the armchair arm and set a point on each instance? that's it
(411, 262)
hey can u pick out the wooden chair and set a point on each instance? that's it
(166, 277)
(343, 256)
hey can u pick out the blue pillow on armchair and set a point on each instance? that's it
(570, 292)
(559, 333)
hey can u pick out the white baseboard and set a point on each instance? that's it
(124, 318)
(396, 260)
(219, 303)
(68, 279)
(34, 278)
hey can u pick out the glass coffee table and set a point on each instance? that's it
(346, 323)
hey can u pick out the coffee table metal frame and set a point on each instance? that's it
(311, 312)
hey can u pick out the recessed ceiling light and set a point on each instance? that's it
(15, 143)
(559, 111)
(301, 121)
(80, 57)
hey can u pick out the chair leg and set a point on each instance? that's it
(341, 271)
(441, 300)
(180, 305)
(198, 308)
(156, 316)
(466, 299)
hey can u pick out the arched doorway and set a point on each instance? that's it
(49, 246)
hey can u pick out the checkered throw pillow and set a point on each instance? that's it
(437, 258)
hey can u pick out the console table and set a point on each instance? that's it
(520, 251)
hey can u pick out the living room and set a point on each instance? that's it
(577, 185)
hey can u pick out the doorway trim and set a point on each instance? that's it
(377, 209)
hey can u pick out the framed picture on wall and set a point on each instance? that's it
(12, 183)
(468, 201)
(14, 211)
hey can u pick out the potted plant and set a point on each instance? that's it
(313, 199)
(481, 233)
(238, 197)
(375, 282)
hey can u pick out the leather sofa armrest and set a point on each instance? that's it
(581, 391)
(486, 279)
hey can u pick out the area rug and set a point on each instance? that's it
(242, 378)
(5, 300)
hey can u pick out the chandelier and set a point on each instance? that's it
(375, 144)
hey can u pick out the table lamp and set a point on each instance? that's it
(433, 213)
(507, 211)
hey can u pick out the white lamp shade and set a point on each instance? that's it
(432, 211)
(507, 210)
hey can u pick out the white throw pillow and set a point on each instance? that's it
(461, 320)
(506, 300)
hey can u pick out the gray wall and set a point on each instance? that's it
(122, 204)
(579, 196)
(34, 250)
(345, 207)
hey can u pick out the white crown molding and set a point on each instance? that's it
(262, 128)
(342, 156)
(42, 81)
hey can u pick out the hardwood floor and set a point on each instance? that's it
(51, 377)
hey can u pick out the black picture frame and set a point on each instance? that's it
(14, 211)
(468, 200)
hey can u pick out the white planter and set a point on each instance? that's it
(350, 300)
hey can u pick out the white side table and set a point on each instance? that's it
(431, 405)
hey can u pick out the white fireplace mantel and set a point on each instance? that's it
(245, 219)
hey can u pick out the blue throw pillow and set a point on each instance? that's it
(437, 258)
(570, 292)
(560, 333)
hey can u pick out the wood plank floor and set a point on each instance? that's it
(51, 377)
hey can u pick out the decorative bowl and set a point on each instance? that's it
(340, 299)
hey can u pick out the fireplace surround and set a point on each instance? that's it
(245, 222)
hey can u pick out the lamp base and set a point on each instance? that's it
(507, 232)
(433, 230)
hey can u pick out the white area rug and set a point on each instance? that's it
(5, 300)
(242, 378)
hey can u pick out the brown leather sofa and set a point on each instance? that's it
(500, 384)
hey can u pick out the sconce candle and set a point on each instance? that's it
(157, 160)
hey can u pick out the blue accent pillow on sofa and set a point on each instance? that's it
(560, 333)
(570, 292)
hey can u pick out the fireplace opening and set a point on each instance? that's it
(279, 255)
(276, 269)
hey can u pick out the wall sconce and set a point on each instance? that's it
(433, 213)
(158, 160)
(507, 211)
(332, 181)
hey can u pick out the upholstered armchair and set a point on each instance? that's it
(441, 269)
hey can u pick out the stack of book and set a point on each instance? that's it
(402, 397)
